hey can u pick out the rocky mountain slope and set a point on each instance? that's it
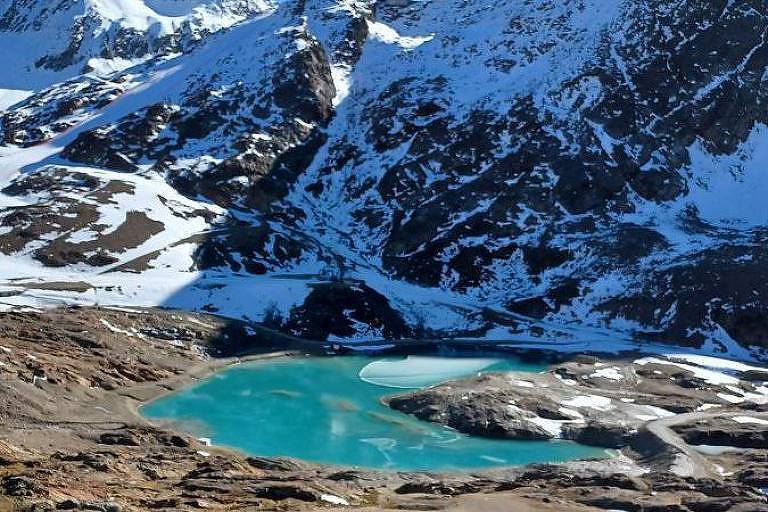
(579, 172)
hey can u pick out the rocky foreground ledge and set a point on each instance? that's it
(70, 438)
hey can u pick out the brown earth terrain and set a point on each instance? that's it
(71, 382)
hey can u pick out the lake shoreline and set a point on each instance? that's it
(76, 377)
(143, 396)
(345, 419)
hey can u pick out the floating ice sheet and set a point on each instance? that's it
(421, 371)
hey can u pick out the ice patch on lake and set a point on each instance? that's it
(421, 371)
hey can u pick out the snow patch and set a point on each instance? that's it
(711, 376)
(114, 328)
(749, 419)
(386, 34)
(602, 403)
(334, 500)
(608, 373)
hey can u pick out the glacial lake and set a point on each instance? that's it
(329, 410)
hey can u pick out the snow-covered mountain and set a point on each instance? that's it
(47, 42)
(571, 172)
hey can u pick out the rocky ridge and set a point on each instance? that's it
(668, 410)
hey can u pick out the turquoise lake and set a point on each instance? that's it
(319, 409)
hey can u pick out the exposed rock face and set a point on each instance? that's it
(728, 432)
(334, 309)
(492, 171)
(477, 419)
(593, 403)
(55, 110)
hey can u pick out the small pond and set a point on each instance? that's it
(329, 410)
